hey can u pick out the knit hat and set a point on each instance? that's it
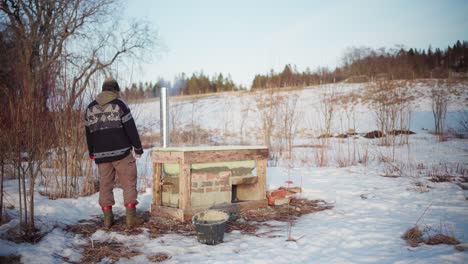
(110, 84)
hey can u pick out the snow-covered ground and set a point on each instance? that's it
(370, 211)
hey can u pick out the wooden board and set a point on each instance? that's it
(157, 169)
(261, 174)
(225, 155)
(185, 185)
(167, 156)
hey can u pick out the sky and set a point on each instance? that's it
(245, 37)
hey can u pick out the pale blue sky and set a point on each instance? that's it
(244, 38)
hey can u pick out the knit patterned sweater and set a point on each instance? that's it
(111, 132)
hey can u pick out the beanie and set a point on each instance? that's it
(110, 84)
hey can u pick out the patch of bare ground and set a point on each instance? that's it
(247, 223)
(250, 221)
(94, 252)
(413, 236)
(112, 250)
(287, 212)
(159, 257)
(19, 236)
(441, 178)
(442, 239)
(419, 187)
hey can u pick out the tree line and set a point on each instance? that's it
(197, 83)
(366, 64)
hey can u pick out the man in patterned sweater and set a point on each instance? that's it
(111, 135)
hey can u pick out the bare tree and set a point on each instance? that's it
(440, 99)
(391, 102)
(267, 104)
(244, 116)
(288, 117)
(59, 45)
(328, 109)
(175, 125)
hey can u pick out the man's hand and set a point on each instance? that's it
(137, 156)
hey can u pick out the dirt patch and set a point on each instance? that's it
(247, 223)
(156, 226)
(419, 187)
(287, 212)
(441, 178)
(159, 257)
(400, 132)
(374, 134)
(413, 236)
(442, 239)
(342, 136)
(19, 236)
(325, 136)
(112, 250)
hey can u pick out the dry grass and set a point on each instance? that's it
(321, 157)
(191, 135)
(243, 227)
(420, 187)
(293, 210)
(413, 236)
(97, 251)
(156, 226)
(21, 236)
(111, 250)
(159, 257)
(441, 178)
(442, 239)
(374, 134)
(149, 140)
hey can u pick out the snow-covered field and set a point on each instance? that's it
(370, 211)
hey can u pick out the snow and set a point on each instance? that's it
(370, 211)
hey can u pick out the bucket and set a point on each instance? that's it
(210, 226)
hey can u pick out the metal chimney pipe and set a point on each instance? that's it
(164, 117)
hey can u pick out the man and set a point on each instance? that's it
(111, 135)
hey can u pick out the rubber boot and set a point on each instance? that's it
(108, 217)
(132, 219)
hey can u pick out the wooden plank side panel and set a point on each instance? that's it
(185, 184)
(167, 156)
(168, 212)
(157, 183)
(225, 155)
(261, 174)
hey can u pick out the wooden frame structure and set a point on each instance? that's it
(185, 157)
